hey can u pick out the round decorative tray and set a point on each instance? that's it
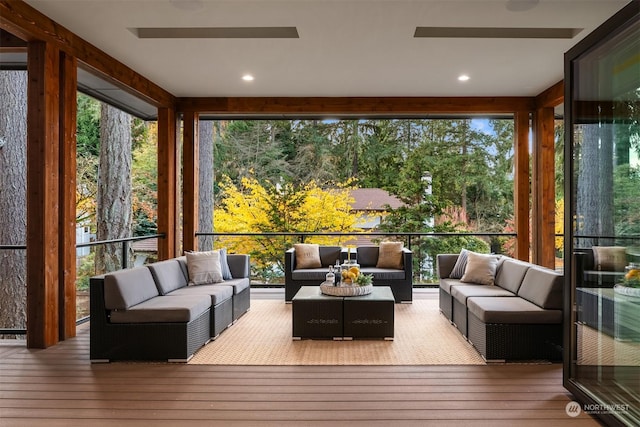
(345, 291)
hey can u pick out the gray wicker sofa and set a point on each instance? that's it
(150, 312)
(517, 318)
(399, 280)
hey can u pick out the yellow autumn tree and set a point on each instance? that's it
(283, 208)
(559, 225)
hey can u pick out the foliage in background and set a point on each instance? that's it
(255, 207)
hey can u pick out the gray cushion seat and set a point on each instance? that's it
(446, 284)
(132, 296)
(218, 293)
(462, 292)
(382, 274)
(511, 310)
(184, 308)
(318, 274)
(172, 282)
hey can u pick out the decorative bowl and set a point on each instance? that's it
(345, 291)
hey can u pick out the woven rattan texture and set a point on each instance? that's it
(423, 336)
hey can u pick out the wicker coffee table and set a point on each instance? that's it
(319, 316)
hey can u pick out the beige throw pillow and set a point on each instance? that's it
(390, 255)
(480, 269)
(204, 267)
(307, 255)
(609, 258)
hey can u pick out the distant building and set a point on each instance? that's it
(372, 203)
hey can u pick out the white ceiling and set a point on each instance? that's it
(345, 48)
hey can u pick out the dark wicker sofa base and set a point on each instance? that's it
(175, 342)
(446, 304)
(241, 303)
(500, 342)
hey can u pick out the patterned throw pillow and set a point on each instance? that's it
(224, 265)
(609, 258)
(461, 264)
(307, 255)
(204, 267)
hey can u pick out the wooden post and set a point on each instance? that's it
(68, 109)
(544, 188)
(43, 195)
(190, 173)
(521, 185)
(167, 184)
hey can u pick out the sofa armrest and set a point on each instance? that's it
(239, 264)
(407, 262)
(445, 264)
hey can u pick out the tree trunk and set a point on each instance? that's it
(114, 212)
(13, 193)
(594, 204)
(205, 184)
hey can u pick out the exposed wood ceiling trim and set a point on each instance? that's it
(356, 105)
(25, 22)
(551, 97)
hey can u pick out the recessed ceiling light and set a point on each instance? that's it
(247, 78)
(463, 77)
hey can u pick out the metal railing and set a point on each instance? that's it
(125, 264)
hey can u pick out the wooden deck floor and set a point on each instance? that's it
(59, 387)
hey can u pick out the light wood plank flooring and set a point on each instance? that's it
(59, 387)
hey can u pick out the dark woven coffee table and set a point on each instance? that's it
(320, 316)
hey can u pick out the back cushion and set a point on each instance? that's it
(182, 260)
(329, 255)
(511, 273)
(367, 256)
(126, 288)
(543, 287)
(168, 275)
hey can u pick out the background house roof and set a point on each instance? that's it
(373, 199)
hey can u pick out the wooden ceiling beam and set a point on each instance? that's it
(552, 97)
(355, 105)
(25, 22)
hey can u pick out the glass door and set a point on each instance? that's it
(602, 359)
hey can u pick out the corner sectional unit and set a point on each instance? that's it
(518, 318)
(150, 312)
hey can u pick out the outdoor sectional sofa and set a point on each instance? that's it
(517, 318)
(151, 313)
(399, 280)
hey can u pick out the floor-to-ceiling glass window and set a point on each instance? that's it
(603, 359)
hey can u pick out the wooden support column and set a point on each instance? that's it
(168, 167)
(521, 185)
(190, 173)
(543, 226)
(43, 195)
(68, 109)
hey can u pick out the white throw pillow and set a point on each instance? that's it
(480, 269)
(204, 267)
